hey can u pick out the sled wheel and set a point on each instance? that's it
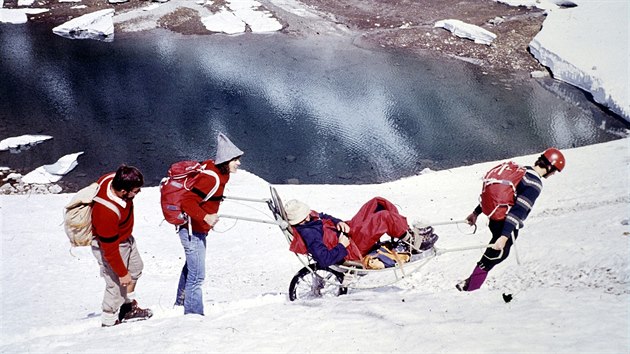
(315, 282)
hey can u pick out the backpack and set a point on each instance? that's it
(181, 178)
(77, 215)
(385, 257)
(499, 189)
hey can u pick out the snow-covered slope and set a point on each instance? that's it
(570, 290)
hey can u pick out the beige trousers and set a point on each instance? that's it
(116, 294)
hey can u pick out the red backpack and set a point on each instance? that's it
(181, 178)
(499, 189)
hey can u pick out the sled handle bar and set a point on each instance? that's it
(439, 251)
(449, 222)
(283, 224)
(258, 200)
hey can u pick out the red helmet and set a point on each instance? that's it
(555, 158)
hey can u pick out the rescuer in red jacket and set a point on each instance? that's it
(114, 246)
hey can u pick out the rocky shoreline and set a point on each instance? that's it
(406, 26)
(409, 27)
(11, 183)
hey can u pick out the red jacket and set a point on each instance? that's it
(110, 230)
(193, 204)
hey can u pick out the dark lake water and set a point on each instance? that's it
(319, 110)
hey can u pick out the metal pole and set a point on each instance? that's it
(447, 250)
(248, 199)
(518, 260)
(422, 224)
(283, 224)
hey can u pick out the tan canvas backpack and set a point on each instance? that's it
(77, 216)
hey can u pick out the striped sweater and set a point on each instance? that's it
(527, 191)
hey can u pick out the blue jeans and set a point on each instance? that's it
(189, 292)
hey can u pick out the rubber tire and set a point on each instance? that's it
(302, 277)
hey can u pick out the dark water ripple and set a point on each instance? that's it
(317, 110)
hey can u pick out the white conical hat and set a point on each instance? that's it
(226, 150)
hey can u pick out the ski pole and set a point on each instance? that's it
(518, 260)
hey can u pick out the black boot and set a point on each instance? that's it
(131, 311)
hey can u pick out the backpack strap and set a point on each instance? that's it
(210, 195)
(216, 186)
(109, 205)
(205, 198)
(198, 192)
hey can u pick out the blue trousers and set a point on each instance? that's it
(189, 289)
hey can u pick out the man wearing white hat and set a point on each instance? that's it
(201, 204)
(324, 236)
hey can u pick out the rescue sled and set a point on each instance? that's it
(314, 281)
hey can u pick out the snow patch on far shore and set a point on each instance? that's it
(467, 30)
(239, 15)
(603, 73)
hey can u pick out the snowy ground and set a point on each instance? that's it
(570, 291)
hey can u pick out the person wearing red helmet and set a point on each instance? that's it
(527, 191)
(554, 159)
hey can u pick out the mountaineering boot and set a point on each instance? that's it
(473, 282)
(462, 285)
(428, 241)
(425, 238)
(131, 311)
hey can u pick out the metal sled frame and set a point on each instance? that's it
(351, 271)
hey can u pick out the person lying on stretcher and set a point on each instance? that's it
(324, 236)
